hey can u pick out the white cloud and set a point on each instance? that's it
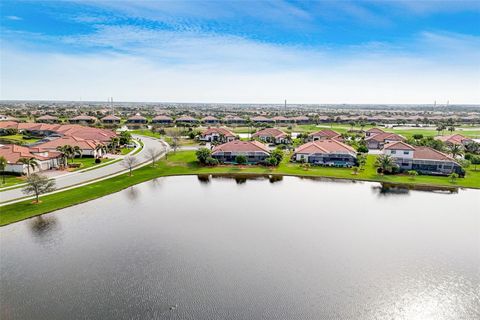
(13, 18)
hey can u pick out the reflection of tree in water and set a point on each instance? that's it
(155, 183)
(384, 190)
(204, 178)
(132, 193)
(275, 178)
(44, 227)
(240, 180)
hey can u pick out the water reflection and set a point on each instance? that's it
(44, 228)
(155, 183)
(204, 178)
(132, 193)
(391, 189)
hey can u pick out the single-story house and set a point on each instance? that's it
(324, 135)
(137, 119)
(373, 131)
(326, 152)
(281, 120)
(377, 141)
(454, 139)
(272, 135)
(48, 119)
(162, 119)
(83, 119)
(210, 120)
(217, 134)
(261, 119)
(234, 120)
(111, 119)
(301, 119)
(186, 120)
(254, 151)
(87, 147)
(424, 160)
(13, 153)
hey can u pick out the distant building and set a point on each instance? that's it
(217, 134)
(13, 153)
(281, 120)
(373, 131)
(234, 120)
(111, 119)
(137, 119)
(454, 139)
(48, 119)
(326, 152)
(301, 119)
(424, 160)
(162, 119)
(186, 120)
(83, 119)
(272, 135)
(377, 141)
(210, 120)
(323, 135)
(255, 152)
(261, 119)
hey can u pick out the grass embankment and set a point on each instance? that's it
(184, 162)
(11, 181)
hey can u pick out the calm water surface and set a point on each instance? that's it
(196, 248)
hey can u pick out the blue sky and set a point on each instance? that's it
(242, 51)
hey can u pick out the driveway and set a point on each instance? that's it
(79, 178)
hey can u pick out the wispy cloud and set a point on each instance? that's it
(14, 18)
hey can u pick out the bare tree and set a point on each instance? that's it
(153, 154)
(38, 184)
(175, 140)
(129, 163)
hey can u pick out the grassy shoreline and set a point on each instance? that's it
(184, 163)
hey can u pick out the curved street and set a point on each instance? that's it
(76, 179)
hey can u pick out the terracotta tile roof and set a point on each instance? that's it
(209, 118)
(280, 118)
(300, 118)
(13, 153)
(241, 146)
(325, 146)
(325, 133)
(186, 118)
(398, 145)
(270, 132)
(137, 117)
(380, 137)
(234, 118)
(111, 117)
(375, 130)
(454, 138)
(162, 117)
(84, 118)
(72, 141)
(222, 131)
(426, 153)
(47, 117)
(8, 125)
(261, 118)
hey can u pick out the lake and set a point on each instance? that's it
(266, 248)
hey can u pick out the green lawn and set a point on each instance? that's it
(84, 163)
(18, 138)
(184, 162)
(125, 151)
(11, 181)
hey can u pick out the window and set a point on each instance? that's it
(406, 152)
(393, 151)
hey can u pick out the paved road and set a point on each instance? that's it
(77, 178)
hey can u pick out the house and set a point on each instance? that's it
(424, 160)
(210, 120)
(301, 119)
(281, 120)
(45, 159)
(217, 134)
(87, 147)
(137, 120)
(261, 119)
(7, 118)
(83, 119)
(378, 140)
(234, 120)
(373, 131)
(326, 152)
(254, 151)
(37, 129)
(48, 119)
(111, 119)
(454, 139)
(186, 120)
(272, 135)
(161, 119)
(324, 135)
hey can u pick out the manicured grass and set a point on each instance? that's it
(84, 163)
(125, 151)
(18, 138)
(184, 162)
(11, 181)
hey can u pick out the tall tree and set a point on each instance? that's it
(30, 163)
(455, 150)
(3, 165)
(37, 185)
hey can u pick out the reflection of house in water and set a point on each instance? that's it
(390, 189)
(239, 178)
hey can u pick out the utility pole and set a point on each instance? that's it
(285, 107)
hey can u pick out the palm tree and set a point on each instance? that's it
(113, 143)
(64, 151)
(100, 148)
(30, 163)
(455, 150)
(77, 151)
(3, 164)
(385, 163)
